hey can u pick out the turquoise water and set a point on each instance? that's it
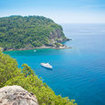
(78, 73)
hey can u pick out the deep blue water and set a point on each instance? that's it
(78, 73)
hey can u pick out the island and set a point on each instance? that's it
(30, 32)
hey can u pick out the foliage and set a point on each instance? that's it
(27, 70)
(10, 74)
(18, 32)
(8, 68)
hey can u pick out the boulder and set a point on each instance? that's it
(16, 95)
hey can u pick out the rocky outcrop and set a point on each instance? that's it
(16, 95)
(57, 36)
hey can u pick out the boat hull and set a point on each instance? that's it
(48, 67)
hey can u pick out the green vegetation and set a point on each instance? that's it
(17, 32)
(10, 74)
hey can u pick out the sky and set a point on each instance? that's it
(61, 11)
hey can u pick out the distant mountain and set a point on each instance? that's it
(29, 32)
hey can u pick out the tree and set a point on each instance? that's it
(27, 70)
(10, 74)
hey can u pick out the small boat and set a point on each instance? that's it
(46, 65)
(34, 50)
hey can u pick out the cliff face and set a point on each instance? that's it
(17, 32)
(16, 95)
(57, 35)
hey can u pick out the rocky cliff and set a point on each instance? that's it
(16, 95)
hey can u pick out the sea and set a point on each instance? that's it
(79, 72)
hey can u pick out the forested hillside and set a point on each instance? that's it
(10, 74)
(17, 32)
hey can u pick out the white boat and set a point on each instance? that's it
(46, 65)
(34, 50)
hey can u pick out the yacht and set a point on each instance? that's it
(34, 50)
(46, 65)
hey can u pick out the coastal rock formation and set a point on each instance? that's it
(16, 95)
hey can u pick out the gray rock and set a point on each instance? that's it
(16, 95)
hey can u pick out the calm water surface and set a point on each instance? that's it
(78, 73)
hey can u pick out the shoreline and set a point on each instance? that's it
(42, 47)
(62, 46)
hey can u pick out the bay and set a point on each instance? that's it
(78, 73)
